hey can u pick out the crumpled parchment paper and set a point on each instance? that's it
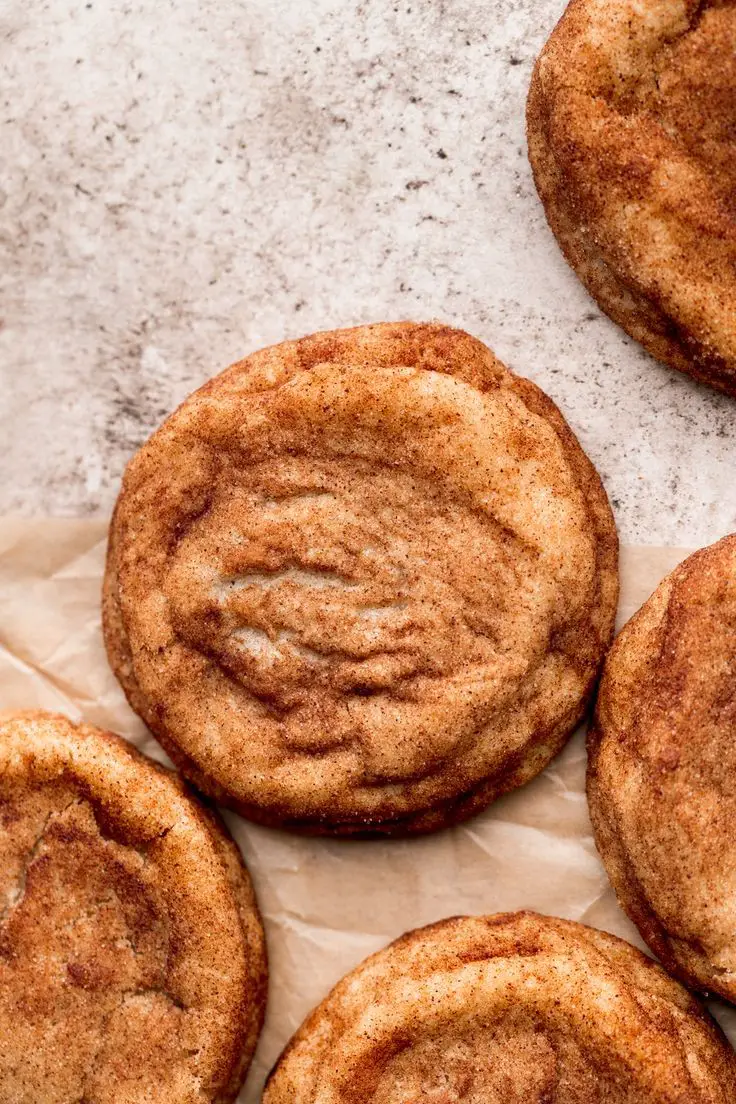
(326, 904)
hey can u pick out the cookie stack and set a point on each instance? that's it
(361, 585)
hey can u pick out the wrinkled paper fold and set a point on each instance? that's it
(326, 904)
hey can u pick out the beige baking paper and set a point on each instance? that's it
(326, 904)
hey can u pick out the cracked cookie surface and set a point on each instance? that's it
(132, 962)
(361, 582)
(662, 770)
(632, 140)
(508, 1009)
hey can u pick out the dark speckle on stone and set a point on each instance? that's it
(442, 155)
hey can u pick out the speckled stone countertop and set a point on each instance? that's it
(187, 180)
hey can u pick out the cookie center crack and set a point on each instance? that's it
(296, 575)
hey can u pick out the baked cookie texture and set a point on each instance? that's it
(132, 960)
(632, 140)
(509, 1009)
(662, 770)
(362, 582)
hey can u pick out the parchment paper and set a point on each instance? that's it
(326, 904)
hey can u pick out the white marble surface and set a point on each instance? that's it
(184, 181)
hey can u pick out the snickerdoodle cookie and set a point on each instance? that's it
(132, 964)
(632, 139)
(362, 582)
(511, 1009)
(662, 771)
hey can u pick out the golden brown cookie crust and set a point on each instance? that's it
(508, 1009)
(132, 957)
(632, 143)
(662, 770)
(362, 582)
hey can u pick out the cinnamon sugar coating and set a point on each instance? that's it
(132, 959)
(509, 1009)
(362, 582)
(632, 139)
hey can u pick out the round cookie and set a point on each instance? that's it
(132, 958)
(633, 146)
(362, 582)
(662, 770)
(510, 1009)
